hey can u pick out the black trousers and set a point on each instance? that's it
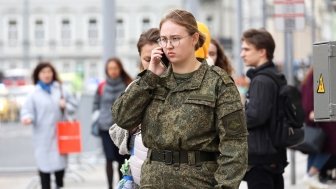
(45, 179)
(261, 177)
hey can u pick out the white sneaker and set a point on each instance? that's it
(314, 182)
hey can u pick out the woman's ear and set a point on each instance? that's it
(195, 38)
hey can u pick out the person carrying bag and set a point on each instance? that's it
(42, 110)
(68, 132)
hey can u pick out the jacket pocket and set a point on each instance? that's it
(206, 100)
(159, 97)
(160, 94)
(199, 111)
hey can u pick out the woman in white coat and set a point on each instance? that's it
(42, 109)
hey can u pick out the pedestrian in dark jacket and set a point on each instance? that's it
(266, 163)
(116, 81)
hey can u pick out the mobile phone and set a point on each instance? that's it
(165, 60)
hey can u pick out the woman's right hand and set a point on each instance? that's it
(26, 121)
(155, 64)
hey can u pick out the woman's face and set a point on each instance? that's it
(180, 45)
(46, 75)
(113, 70)
(145, 54)
(212, 52)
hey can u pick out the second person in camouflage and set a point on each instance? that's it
(191, 115)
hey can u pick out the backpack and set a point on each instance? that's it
(95, 127)
(287, 132)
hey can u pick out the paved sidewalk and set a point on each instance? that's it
(91, 175)
(88, 175)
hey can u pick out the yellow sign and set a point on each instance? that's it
(320, 87)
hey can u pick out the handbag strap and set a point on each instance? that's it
(62, 97)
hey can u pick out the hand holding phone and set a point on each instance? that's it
(164, 60)
(156, 65)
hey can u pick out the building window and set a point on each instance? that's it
(93, 31)
(39, 33)
(145, 24)
(80, 67)
(120, 30)
(93, 70)
(12, 33)
(66, 32)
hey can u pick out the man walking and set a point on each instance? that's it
(266, 162)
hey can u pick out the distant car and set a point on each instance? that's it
(16, 77)
(4, 108)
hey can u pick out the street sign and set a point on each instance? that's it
(289, 15)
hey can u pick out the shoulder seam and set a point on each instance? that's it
(226, 78)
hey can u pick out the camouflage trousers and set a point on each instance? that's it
(156, 174)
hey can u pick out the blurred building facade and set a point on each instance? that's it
(69, 33)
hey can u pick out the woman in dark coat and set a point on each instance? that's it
(316, 161)
(107, 92)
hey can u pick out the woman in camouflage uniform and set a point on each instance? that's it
(131, 142)
(191, 114)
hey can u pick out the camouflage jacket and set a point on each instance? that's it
(205, 113)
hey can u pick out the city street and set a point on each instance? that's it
(17, 166)
(86, 171)
(94, 49)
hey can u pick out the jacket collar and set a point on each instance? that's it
(253, 71)
(168, 79)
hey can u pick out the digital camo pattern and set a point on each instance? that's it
(188, 176)
(204, 113)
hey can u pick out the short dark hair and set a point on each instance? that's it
(39, 67)
(261, 39)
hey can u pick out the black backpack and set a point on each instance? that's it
(287, 132)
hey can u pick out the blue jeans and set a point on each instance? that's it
(317, 160)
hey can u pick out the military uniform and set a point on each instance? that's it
(187, 123)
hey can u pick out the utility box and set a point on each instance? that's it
(324, 66)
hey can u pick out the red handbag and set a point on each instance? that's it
(68, 134)
(69, 137)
